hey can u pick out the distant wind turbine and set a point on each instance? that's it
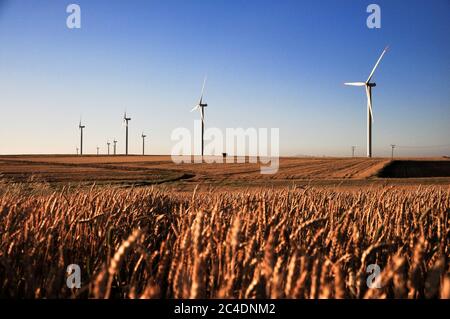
(81, 127)
(353, 150)
(115, 144)
(125, 121)
(108, 143)
(393, 146)
(368, 85)
(143, 143)
(200, 106)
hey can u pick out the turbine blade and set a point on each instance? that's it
(194, 108)
(203, 87)
(355, 83)
(203, 91)
(376, 65)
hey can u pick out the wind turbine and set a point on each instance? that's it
(77, 150)
(200, 106)
(115, 144)
(125, 121)
(81, 127)
(353, 150)
(368, 86)
(108, 143)
(98, 150)
(143, 143)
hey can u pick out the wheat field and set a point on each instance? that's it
(256, 243)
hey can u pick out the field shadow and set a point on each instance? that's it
(410, 168)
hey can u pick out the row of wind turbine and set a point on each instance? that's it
(368, 85)
(125, 121)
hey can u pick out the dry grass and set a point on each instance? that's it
(290, 243)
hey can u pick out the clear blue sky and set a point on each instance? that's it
(269, 64)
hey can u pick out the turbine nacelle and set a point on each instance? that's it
(199, 106)
(125, 118)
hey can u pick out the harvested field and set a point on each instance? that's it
(67, 172)
(148, 170)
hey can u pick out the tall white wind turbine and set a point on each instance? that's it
(200, 106)
(125, 122)
(368, 86)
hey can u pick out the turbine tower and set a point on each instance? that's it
(77, 150)
(126, 120)
(368, 86)
(201, 107)
(115, 144)
(143, 143)
(81, 127)
(98, 150)
(108, 143)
